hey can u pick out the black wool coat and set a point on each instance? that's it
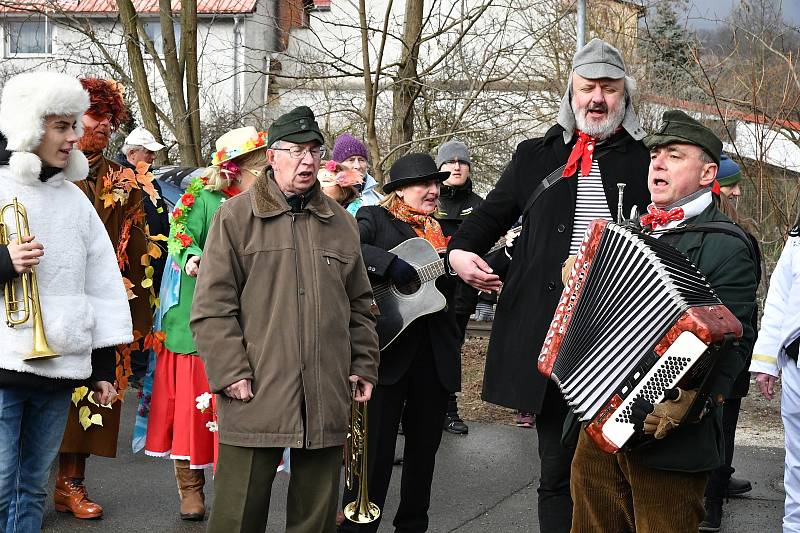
(533, 284)
(380, 231)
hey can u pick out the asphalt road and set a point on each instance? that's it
(485, 482)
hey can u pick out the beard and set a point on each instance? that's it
(94, 139)
(606, 127)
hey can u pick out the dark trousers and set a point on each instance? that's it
(462, 320)
(243, 484)
(555, 502)
(717, 488)
(425, 403)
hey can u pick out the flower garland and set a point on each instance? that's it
(179, 239)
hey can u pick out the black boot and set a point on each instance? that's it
(737, 487)
(713, 518)
(454, 424)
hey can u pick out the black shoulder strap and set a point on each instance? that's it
(556, 176)
(729, 228)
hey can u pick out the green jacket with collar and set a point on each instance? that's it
(727, 264)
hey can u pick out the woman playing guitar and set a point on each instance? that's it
(421, 367)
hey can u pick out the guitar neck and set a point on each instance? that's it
(431, 271)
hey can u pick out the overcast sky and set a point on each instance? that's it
(704, 12)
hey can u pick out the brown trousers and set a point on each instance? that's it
(615, 493)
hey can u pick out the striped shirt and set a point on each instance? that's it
(591, 204)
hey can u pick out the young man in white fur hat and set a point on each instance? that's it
(78, 282)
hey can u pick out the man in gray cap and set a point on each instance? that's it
(282, 319)
(558, 184)
(658, 485)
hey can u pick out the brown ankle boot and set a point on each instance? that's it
(70, 495)
(190, 490)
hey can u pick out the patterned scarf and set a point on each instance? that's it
(424, 225)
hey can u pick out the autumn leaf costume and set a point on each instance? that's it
(118, 195)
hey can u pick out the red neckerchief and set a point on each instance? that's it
(582, 151)
(658, 217)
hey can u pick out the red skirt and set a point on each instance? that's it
(176, 428)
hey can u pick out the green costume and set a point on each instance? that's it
(197, 222)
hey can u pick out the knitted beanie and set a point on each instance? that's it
(346, 146)
(729, 172)
(453, 150)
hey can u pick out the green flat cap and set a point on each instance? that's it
(680, 128)
(297, 126)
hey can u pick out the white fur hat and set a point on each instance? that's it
(27, 99)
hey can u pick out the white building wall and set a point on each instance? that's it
(221, 67)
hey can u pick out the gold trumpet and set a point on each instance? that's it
(21, 308)
(360, 511)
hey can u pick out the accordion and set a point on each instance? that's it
(636, 318)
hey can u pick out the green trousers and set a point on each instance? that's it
(615, 493)
(243, 484)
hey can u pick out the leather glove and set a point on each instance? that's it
(400, 272)
(566, 268)
(659, 419)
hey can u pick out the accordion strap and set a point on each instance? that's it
(729, 228)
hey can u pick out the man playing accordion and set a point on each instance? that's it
(660, 487)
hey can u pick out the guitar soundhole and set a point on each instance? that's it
(410, 288)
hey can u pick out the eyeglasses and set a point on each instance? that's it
(295, 152)
(456, 163)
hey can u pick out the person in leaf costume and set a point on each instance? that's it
(118, 195)
(181, 423)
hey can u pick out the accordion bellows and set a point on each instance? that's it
(635, 318)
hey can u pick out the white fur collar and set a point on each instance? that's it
(26, 166)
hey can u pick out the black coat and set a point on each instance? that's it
(533, 283)
(380, 231)
(456, 204)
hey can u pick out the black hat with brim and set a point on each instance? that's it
(413, 168)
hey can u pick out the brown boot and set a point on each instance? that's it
(190, 490)
(70, 495)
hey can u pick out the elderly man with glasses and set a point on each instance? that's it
(282, 317)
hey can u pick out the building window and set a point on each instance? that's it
(29, 37)
(153, 31)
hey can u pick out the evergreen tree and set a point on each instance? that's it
(667, 51)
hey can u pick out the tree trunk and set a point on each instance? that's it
(127, 15)
(406, 85)
(174, 84)
(189, 60)
(370, 92)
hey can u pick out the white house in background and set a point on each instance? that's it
(236, 42)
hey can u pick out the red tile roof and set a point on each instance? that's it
(110, 6)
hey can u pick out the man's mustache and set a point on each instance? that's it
(599, 107)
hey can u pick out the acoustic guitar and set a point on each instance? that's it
(399, 306)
